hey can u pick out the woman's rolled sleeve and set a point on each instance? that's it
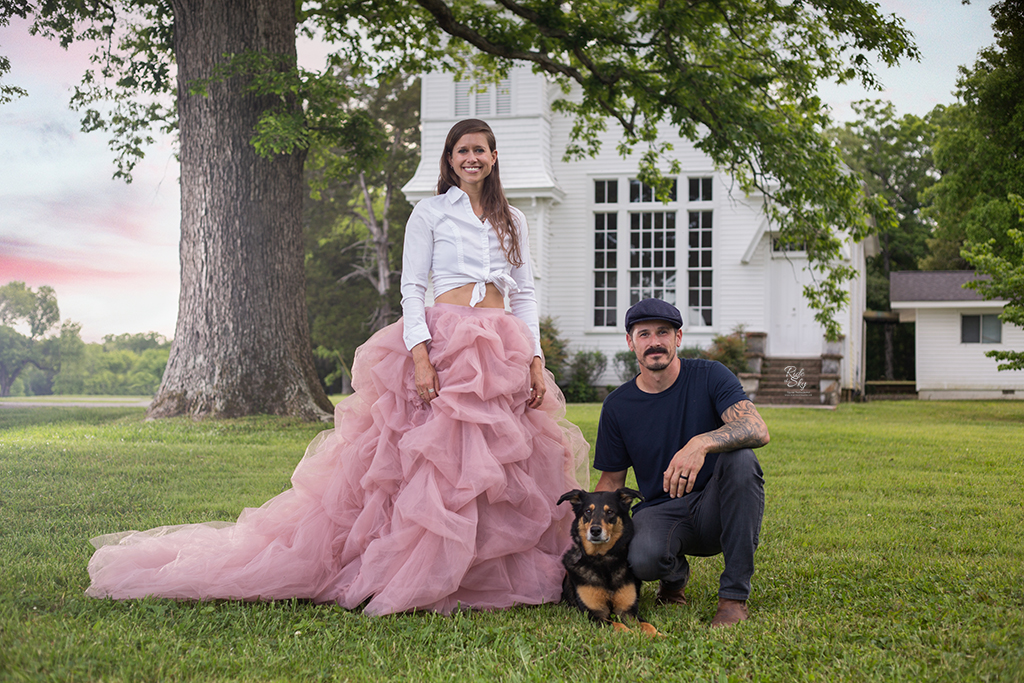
(417, 255)
(523, 302)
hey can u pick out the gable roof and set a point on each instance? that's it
(933, 285)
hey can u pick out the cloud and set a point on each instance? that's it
(38, 264)
(108, 248)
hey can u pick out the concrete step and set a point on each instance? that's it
(802, 399)
(789, 381)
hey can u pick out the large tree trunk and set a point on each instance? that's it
(242, 343)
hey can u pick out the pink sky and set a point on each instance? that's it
(110, 250)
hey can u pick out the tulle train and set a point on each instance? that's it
(409, 506)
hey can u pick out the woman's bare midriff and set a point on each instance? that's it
(461, 296)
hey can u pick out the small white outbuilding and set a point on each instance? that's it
(953, 328)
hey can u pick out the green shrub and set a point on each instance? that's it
(692, 352)
(626, 365)
(730, 350)
(584, 369)
(556, 349)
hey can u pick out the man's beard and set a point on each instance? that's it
(656, 365)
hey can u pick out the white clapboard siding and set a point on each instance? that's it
(739, 286)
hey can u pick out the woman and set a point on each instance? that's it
(436, 489)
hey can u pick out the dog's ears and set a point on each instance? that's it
(627, 496)
(572, 496)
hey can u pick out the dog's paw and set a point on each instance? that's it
(649, 630)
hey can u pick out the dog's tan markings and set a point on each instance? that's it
(615, 533)
(588, 547)
(624, 598)
(582, 526)
(619, 626)
(595, 598)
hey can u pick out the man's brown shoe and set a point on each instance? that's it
(730, 613)
(670, 596)
(673, 594)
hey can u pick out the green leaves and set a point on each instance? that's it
(1006, 272)
(307, 111)
(738, 78)
(893, 157)
(10, 8)
(978, 148)
(128, 91)
(38, 310)
(8, 92)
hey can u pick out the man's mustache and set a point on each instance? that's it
(655, 349)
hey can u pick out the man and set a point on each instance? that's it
(687, 430)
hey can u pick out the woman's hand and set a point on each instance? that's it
(427, 384)
(537, 384)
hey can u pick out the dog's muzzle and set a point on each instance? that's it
(597, 534)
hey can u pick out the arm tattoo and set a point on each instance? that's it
(743, 428)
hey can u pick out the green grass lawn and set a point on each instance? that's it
(891, 551)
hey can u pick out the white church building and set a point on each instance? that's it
(600, 242)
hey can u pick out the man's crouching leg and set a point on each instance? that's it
(655, 551)
(738, 485)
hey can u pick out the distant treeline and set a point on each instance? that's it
(124, 364)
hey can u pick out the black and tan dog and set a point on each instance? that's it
(598, 579)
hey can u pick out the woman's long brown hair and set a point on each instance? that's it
(495, 205)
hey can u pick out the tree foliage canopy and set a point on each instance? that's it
(8, 9)
(893, 156)
(736, 77)
(979, 149)
(1006, 281)
(38, 312)
(124, 364)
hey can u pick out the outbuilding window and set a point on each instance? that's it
(981, 329)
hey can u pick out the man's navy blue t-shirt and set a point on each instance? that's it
(644, 431)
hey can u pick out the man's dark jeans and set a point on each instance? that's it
(725, 517)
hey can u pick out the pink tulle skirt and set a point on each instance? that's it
(408, 506)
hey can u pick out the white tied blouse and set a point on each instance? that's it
(446, 239)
